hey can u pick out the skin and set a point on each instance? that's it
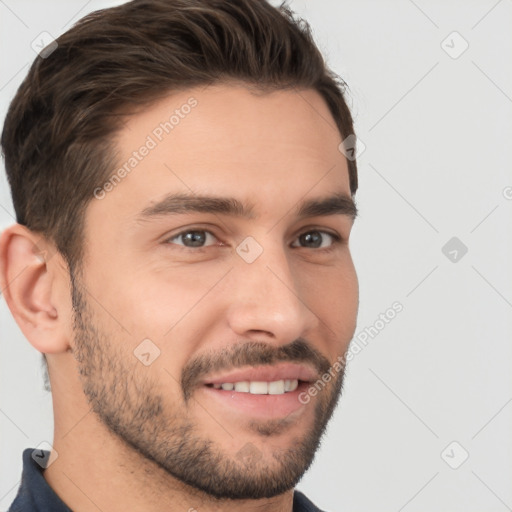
(273, 150)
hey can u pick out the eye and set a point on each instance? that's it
(199, 238)
(193, 238)
(317, 239)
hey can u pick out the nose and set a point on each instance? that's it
(268, 301)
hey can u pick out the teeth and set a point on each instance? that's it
(277, 387)
(242, 387)
(292, 385)
(258, 388)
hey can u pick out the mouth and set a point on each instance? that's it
(257, 387)
(264, 392)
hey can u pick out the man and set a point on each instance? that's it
(181, 256)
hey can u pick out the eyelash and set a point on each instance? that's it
(337, 239)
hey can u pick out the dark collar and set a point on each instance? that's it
(34, 493)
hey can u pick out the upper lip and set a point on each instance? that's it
(266, 373)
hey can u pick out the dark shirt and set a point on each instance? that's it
(35, 495)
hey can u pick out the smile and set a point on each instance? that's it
(263, 392)
(277, 387)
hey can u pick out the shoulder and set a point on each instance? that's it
(34, 493)
(302, 504)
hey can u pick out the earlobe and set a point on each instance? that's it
(33, 288)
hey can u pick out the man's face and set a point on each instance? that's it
(262, 304)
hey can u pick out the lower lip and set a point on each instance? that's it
(258, 406)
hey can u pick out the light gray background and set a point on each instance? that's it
(438, 134)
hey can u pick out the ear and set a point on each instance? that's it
(35, 284)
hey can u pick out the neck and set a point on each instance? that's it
(96, 470)
(89, 478)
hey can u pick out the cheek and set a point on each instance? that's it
(333, 294)
(348, 304)
(342, 304)
(158, 302)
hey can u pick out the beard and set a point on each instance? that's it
(132, 405)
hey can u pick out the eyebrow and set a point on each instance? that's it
(175, 204)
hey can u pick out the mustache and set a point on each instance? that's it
(251, 353)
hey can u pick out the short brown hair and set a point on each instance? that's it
(57, 136)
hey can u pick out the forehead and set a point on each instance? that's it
(270, 148)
